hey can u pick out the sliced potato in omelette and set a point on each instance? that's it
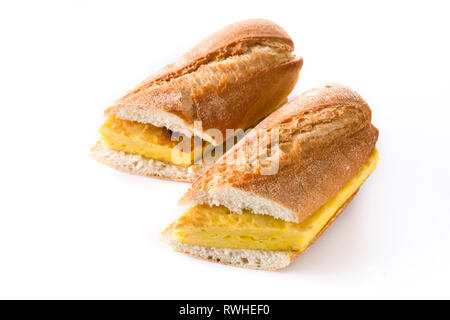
(149, 141)
(218, 227)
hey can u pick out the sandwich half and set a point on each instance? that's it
(229, 81)
(273, 194)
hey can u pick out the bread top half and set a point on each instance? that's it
(230, 80)
(296, 159)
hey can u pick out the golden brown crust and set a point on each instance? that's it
(230, 80)
(229, 41)
(325, 136)
(239, 105)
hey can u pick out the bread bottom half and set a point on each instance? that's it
(136, 164)
(253, 259)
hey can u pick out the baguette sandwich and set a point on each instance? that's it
(272, 195)
(230, 80)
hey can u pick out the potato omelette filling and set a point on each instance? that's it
(218, 227)
(150, 141)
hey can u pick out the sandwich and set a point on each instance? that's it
(275, 192)
(228, 82)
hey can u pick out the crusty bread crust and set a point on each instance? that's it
(253, 259)
(325, 136)
(136, 164)
(230, 80)
(226, 42)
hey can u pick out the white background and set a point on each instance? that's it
(72, 228)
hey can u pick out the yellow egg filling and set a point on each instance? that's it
(150, 141)
(218, 227)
